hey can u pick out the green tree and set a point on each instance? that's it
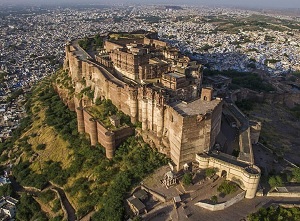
(6, 190)
(273, 213)
(98, 40)
(214, 199)
(245, 105)
(41, 147)
(187, 179)
(296, 174)
(210, 172)
(275, 181)
(227, 187)
(28, 209)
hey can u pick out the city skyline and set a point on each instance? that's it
(291, 4)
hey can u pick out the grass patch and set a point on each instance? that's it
(227, 187)
(296, 111)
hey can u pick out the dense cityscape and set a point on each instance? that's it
(32, 41)
(36, 42)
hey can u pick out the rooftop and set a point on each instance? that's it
(288, 189)
(176, 75)
(137, 204)
(141, 194)
(195, 107)
(228, 158)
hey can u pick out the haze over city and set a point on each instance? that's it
(253, 4)
(149, 110)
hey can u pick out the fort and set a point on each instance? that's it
(162, 92)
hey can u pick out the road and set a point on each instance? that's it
(71, 213)
(231, 134)
(69, 208)
(235, 212)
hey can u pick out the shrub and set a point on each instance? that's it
(6, 190)
(227, 187)
(47, 196)
(187, 179)
(57, 218)
(214, 199)
(276, 213)
(41, 147)
(275, 181)
(296, 174)
(210, 172)
(28, 209)
(56, 206)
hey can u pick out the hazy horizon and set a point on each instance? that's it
(288, 4)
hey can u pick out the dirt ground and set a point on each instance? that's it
(280, 130)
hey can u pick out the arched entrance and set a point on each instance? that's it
(224, 174)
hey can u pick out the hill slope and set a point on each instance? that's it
(51, 149)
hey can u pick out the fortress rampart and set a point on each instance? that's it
(109, 139)
(247, 177)
(162, 91)
(168, 123)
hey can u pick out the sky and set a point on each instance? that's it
(293, 4)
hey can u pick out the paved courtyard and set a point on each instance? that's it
(201, 190)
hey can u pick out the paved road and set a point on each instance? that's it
(67, 204)
(69, 208)
(83, 55)
(234, 213)
(231, 135)
(240, 116)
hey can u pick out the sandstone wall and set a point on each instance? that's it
(247, 178)
(103, 88)
(99, 134)
(65, 97)
(199, 133)
(181, 137)
(222, 206)
(215, 125)
(109, 46)
(281, 194)
(155, 42)
(173, 132)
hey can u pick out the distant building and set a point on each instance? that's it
(136, 204)
(4, 180)
(7, 208)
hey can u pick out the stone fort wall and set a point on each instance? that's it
(99, 134)
(171, 132)
(247, 180)
(222, 206)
